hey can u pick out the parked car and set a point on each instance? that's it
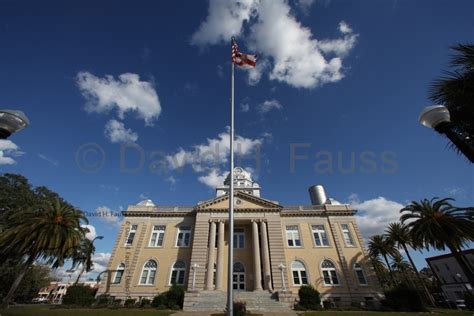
(461, 304)
(39, 300)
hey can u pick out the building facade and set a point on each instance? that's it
(277, 249)
(451, 277)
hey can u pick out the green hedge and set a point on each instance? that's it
(309, 298)
(403, 298)
(79, 295)
(173, 298)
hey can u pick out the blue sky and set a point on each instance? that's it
(335, 80)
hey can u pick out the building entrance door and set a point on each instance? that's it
(238, 277)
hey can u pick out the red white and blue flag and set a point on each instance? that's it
(241, 59)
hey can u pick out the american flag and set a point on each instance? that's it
(242, 59)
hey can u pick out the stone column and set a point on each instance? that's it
(256, 258)
(267, 277)
(211, 257)
(220, 258)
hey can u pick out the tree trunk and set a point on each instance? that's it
(17, 281)
(80, 274)
(389, 269)
(422, 282)
(464, 265)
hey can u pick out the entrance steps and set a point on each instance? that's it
(262, 301)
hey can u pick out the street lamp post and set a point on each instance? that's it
(12, 121)
(438, 118)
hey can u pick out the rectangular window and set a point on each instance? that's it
(330, 277)
(239, 238)
(177, 277)
(361, 277)
(293, 236)
(320, 236)
(157, 236)
(347, 235)
(184, 236)
(131, 235)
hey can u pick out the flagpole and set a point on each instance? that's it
(230, 301)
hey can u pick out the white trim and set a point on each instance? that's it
(148, 273)
(116, 271)
(177, 275)
(331, 284)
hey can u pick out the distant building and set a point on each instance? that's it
(55, 291)
(447, 270)
(277, 250)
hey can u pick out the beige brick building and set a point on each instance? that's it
(277, 249)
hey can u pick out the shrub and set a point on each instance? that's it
(79, 295)
(469, 300)
(309, 298)
(145, 302)
(240, 308)
(102, 300)
(175, 296)
(159, 300)
(327, 304)
(130, 302)
(403, 298)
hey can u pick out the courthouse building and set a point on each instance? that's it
(277, 250)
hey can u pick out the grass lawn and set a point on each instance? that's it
(41, 310)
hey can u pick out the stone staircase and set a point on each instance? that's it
(216, 301)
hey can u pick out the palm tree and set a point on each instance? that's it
(379, 245)
(401, 237)
(83, 256)
(49, 232)
(401, 266)
(439, 224)
(456, 90)
(380, 270)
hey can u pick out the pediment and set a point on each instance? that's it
(242, 201)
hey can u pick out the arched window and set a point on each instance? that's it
(329, 273)
(177, 273)
(119, 273)
(238, 267)
(299, 273)
(360, 274)
(149, 272)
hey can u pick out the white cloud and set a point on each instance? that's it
(209, 156)
(287, 48)
(375, 214)
(344, 28)
(109, 187)
(212, 153)
(214, 178)
(143, 196)
(7, 147)
(92, 232)
(305, 4)
(172, 180)
(269, 105)
(116, 132)
(125, 94)
(456, 191)
(49, 160)
(108, 216)
(244, 107)
(100, 261)
(224, 20)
